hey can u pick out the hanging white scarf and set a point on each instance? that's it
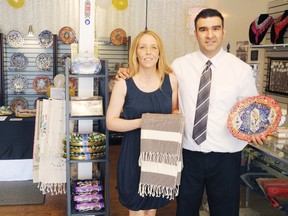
(49, 166)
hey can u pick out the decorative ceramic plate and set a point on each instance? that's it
(5, 110)
(14, 39)
(19, 103)
(43, 61)
(254, 115)
(63, 58)
(40, 84)
(111, 83)
(67, 35)
(118, 37)
(19, 83)
(45, 38)
(19, 61)
(86, 63)
(72, 83)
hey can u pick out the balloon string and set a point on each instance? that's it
(146, 14)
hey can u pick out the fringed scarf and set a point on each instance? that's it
(161, 155)
(49, 166)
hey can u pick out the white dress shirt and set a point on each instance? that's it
(232, 80)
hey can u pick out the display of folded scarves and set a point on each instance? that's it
(86, 146)
(249, 179)
(88, 195)
(280, 137)
(272, 188)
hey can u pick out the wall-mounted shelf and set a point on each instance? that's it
(271, 46)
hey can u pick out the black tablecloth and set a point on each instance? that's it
(16, 138)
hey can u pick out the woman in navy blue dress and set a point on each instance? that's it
(151, 88)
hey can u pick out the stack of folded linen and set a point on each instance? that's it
(280, 136)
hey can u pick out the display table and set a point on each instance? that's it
(16, 148)
(272, 158)
(272, 155)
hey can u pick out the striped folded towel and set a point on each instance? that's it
(161, 155)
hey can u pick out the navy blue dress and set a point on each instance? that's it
(128, 173)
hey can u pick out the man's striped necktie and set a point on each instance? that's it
(202, 106)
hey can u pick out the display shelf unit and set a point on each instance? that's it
(271, 46)
(30, 49)
(115, 54)
(99, 121)
(270, 157)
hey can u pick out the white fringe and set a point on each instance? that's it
(53, 188)
(171, 159)
(158, 191)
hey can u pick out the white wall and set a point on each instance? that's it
(167, 17)
(238, 17)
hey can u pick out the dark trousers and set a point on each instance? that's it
(219, 173)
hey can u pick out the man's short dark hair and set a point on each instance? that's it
(208, 12)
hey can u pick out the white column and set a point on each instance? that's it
(85, 85)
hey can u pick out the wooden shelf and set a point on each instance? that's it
(271, 46)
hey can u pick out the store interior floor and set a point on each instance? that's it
(56, 205)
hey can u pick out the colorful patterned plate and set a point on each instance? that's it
(254, 115)
(118, 37)
(67, 35)
(44, 61)
(19, 103)
(40, 84)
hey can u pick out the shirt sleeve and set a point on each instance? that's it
(248, 85)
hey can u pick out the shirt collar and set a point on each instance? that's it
(215, 60)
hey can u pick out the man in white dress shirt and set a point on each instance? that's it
(215, 163)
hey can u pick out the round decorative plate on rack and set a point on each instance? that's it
(67, 35)
(19, 83)
(257, 115)
(118, 37)
(14, 39)
(5, 110)
(19, 61)
(72, 83)
(43, 61)
(40, 84)
(63, 58)
(86, 63)
(19, 103)
(45, 38)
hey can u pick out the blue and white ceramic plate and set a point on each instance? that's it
(254, 115)
(45, 39)
(19, 83)
(14, 39)
(19, 61)
(63, 58)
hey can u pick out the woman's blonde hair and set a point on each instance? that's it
(162, 65)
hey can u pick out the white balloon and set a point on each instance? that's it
(59, 81)
(104, 3)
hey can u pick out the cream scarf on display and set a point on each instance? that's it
(49, 166)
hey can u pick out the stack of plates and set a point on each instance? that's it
(86, 146)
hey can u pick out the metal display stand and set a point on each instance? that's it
(102, 81)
